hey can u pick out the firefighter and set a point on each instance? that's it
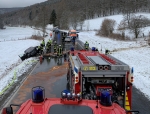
(96, 49)
(49, 43)
(40, 49)
(86, 45)
(63, 36)
(55, 46)
(43, 43)
(59, 51)
(107, 51)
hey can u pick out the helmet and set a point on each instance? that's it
(59, 45)
(55, 42)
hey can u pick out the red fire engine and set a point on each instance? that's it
(69, 103)
(91, 73)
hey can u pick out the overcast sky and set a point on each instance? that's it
(18, 3)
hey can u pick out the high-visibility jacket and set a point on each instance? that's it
(50, 41)
(86, 45)
(55, 46)
(59, 51)
(40, 48)
(43, 43)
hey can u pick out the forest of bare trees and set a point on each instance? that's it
(73, 12)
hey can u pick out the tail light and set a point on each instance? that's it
(130, 76)
(76, 79)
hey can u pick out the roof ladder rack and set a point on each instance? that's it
(83, 58)
(107, 58)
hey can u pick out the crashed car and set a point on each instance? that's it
(30, 52)
(68, 39)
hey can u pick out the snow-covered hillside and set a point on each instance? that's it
(134, 53)
(95, 24)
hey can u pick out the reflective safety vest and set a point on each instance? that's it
(55, 46)
(40, 48)
(50, 41)
(59, 51)
(43, 43)
(86, 45)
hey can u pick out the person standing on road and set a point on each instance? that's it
(107, 51)
(43, 43)
(86, 45)
(59, 51)
(40, 49)
(55, 47)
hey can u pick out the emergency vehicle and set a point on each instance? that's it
(73, 33)
(91, 73)
(69, 103)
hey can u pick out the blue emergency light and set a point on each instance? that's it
(72, 49)
(64, 93)
(105, 99)
(38, 94)
(93, 49)
(132, 70)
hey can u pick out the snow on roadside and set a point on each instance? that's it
(16, 72)
(9, 53)
(111, 44)
(10, 48)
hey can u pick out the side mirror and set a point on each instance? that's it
(7, 110)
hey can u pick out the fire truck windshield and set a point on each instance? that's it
(73, 33)
(69, 109)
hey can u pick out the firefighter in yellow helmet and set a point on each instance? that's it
(43, 43)
(86, 45)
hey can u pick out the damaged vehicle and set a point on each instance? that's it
(30, 52)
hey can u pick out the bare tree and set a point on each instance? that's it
(1, 24)
(136, 25)
(121, 27)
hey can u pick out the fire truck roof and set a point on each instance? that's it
(97, 62)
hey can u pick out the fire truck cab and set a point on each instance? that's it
(73, 33)
(91, 72)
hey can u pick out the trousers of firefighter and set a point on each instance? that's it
(48, 46)
(58, 50)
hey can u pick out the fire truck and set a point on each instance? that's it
(91, 73)
(69, 103)
(73, 33)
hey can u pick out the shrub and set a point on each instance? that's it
(107, 27)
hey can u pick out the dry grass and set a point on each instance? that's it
(35, 37)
